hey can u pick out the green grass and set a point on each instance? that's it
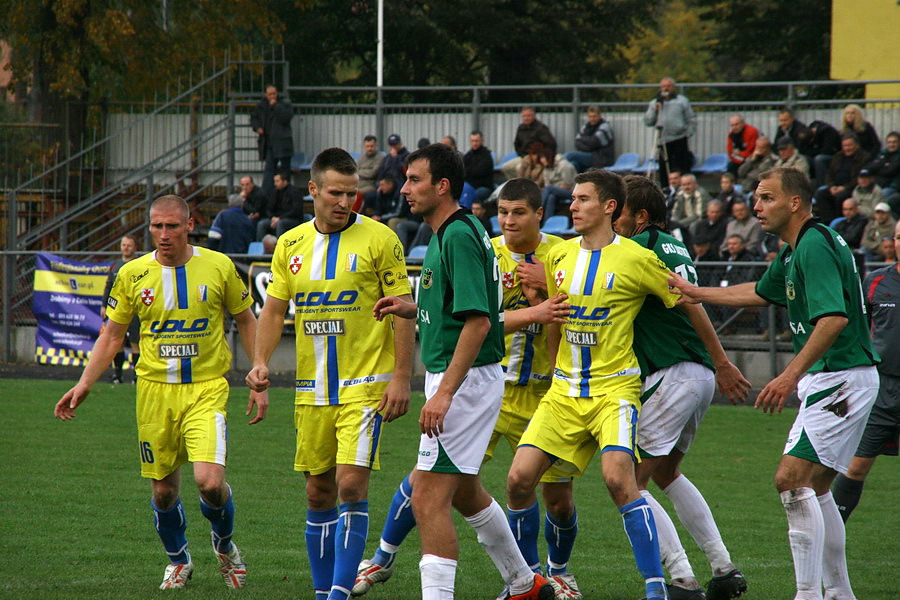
(75, 520)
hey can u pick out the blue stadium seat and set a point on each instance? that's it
(468, 195)
(836, 221)
(649, 165)
(714, 163)
(625, 163)
(298, 161)
(495, 225)
(355, 155)
(506, 158)
(557, 225)
(255, 248)
(417, 252)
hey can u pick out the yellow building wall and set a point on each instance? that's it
(865, 44)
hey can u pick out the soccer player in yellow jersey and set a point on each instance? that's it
(180, 294)
(352, 372)
(594, 399)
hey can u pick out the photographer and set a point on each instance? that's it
(672, 115)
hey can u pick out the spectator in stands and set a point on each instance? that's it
(728, 194)
(231, 231)
(789, 157)
(853, 224)
(682, 234)
(529, 130)
(761, 160)
(480, 213)
(284, 211)
(854, 122)
(672, 115)
(269, 241)
(671, 192)
(389, 207)
(253, 199)
(888, 249)
(594, 145)
(479, 166)
(741, 142)
(368, 164)
(886, 169)
(559, 179)
(735, 251)
(825, 143)
(794, 129)
(705, 251)
(712, 228)
(690, 202)
(744, 224)
(879, 227)
(531, 166)
(394, 164)
(867, 193)
(449, 140)
(271, 120)
(840, 180)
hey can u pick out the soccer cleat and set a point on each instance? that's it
(176, 576)
(232, 567)
(541, 589)
(565, 588)
(368, 574)
(504, 593)
(116, 379)
(676, 592)
(730, 585)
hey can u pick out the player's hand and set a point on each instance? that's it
(261, 400)
(775, 394)
(395, 400)
(552, 310)
(392, 305)
(532, 274)
(258, 378)
(431, 419)
(732, 383)
(684, 287)
(65, 408)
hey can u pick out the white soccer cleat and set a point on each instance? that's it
(232, 567)
(176, 576)
(368, 574)
(565, 588)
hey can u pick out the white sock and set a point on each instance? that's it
(670, 549)
(806, 532)
(497, 539)
(438, 575)
(694, 514)
(834, 560)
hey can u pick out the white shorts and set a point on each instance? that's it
(675, 399)
(818, 434)
(467, 425)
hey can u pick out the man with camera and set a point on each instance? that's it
(672, 116)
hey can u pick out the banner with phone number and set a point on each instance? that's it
(67, 298)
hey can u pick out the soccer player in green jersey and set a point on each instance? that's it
(180, 294)
(677, 350)
(833, 372)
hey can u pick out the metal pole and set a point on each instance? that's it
(9, 269)
(379, 44)
(576, 106)
(230, 152)
(379, 117)
(476, 109)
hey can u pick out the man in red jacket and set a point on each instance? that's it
(741, 142)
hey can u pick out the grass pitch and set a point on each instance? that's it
(75, 519)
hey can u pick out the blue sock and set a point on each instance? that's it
(525, 525)
(221, 521)
(349, 545)
(560, 536)
(399, 522)
(641, 530)
(171, 525)
(320, 526)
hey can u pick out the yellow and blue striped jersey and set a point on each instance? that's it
(527, 360)
(181, 310)
(333, 280)
(606, 289)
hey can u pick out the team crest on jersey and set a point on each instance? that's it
(147, 296)
(427, 276)
(295, 264)
(789, 290)
(560, 277)
(202, 293)
(608, 282)
(351, 263)
(508, 280)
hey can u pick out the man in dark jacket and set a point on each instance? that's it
(853, 225)
(595, 143)
(254, 199)
(271, 120)
(529, 130)
(284, 211)
(823, 145)
(886, 170)
(840, 180)
(479, 166)
(231, 231)
(394, 163)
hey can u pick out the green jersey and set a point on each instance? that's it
(459, 278)
(818, 278)
(664, 337)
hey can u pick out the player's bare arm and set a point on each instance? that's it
(775, 393)
(392, 305)
(743, 294)
(472, 335)
(268, 334)
(551, 310)
(246, 324)
(729, 378)
(105, 348)
(395, 400)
